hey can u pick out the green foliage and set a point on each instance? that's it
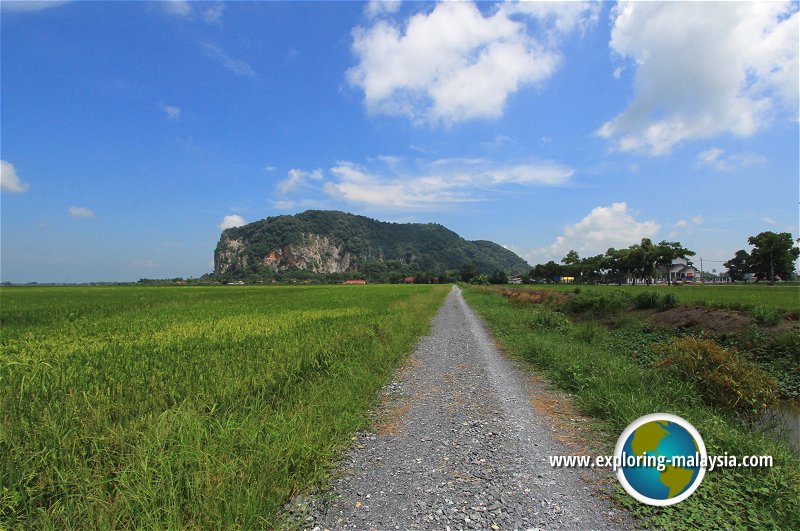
(647, 299)
(768, 316)
(667, 301)
(773, 254)
(778, 354)
(405, 248)
(738, 265)
(722, 377)
(594, 304)
(187, 407)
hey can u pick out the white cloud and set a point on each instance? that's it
(283, 204)
(681, 224)
(237, 66)
(769, 221)
(603, 227)
(179, 8)
(270, 168)
(296, 178)
(9, 180)
(80, 212)
(438, 183)
(172, 112)
(703, 69)
(30, 5)
(376, 8)
(714, 158)
(455, 63)
(233, 220)
(149, 264)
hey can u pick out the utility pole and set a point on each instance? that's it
(702, 278)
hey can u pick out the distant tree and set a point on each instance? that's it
(738, 265)
(551, 270)
(468, 272)
(666, 252)
(773, 254)
(617, 263)
(592, 268)
(482, 278)
(572, 264)
(498, 277)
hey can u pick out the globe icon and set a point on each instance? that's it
(661, 457)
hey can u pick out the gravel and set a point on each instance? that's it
(464, 449)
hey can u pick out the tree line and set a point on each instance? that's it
(772, 257)
(639, 262)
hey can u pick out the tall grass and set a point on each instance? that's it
(614, 388)
(187, 407)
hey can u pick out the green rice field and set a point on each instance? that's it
(737, 296)
(177, 407)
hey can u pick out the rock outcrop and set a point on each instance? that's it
(324, 242)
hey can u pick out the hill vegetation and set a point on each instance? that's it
(338, 245)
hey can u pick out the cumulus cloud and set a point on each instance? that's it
(454, 63)
(703, 69)
(440, 182)
(296, 178)
(376, 8)
(80, 212)
(233, 220)
(9, 180)
(716, 159)
(218, 55)
(172, 112)
(603, 227)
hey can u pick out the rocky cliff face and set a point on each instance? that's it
(325, 242)
(314, 253)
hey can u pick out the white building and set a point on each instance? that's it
(681, 270)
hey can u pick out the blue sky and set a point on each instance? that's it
(133, 132)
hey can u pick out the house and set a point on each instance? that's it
(354, 282)
(408, 280)
(515, 279)
(681, 270)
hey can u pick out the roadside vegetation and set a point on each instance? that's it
(744, 297)
(187, 407)
(620, 366)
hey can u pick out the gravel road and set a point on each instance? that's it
(461, 447)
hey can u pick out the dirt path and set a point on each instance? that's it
(460, 447)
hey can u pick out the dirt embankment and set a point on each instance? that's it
(715, 321)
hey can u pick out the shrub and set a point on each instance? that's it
(767, 316)
(722, 377)
(646, 299)
(667, 301)
(597, 305)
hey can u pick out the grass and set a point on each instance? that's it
(187, 407)
(615, 387)
(785, 296)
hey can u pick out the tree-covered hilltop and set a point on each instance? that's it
(319, 242)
